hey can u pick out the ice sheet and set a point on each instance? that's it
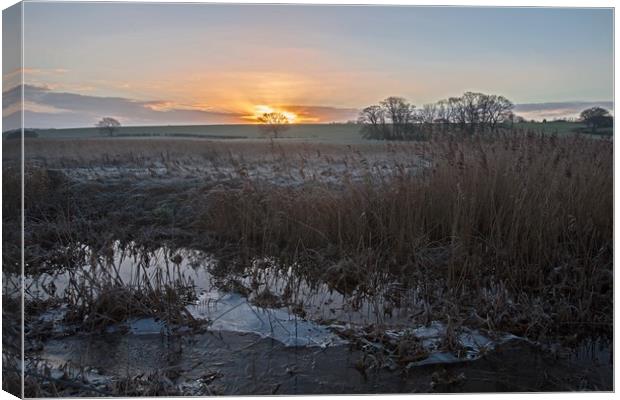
(233, 312)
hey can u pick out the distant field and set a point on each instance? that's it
(321, 132)
(336, 133)
(562, 128)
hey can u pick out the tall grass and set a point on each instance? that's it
(512, 231)
(531, 213)
(506, 232)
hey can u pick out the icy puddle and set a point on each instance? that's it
(269, 331)
(224, 311)
(300, 314)
(233, 312)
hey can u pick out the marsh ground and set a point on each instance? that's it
(166, 265)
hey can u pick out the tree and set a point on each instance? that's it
(108, 125)
(396, 119)
(372, 119)
(391, 119)
(596, 117)
(456, 111)
(498, 110)
(273, 123)
(400, 114)
(475, 110)
(428, 113)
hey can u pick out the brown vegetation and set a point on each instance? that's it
(503, 232)
(520, 226)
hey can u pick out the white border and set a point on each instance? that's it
(476, 3)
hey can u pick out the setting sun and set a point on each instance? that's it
(261, 109)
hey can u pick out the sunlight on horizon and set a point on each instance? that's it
(260, 109)
(181, 64)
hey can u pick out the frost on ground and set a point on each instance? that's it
(217, 263)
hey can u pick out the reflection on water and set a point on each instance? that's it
(264, 307)
(263, 299)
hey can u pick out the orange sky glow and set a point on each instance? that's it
(195, 64)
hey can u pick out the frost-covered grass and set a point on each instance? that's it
(511, 232)
(497, 234)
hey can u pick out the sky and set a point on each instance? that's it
(154, 64)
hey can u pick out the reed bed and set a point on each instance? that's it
(79, 152)
(509, 231)
(515, 229)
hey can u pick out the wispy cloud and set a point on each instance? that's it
(322, 113)
(48, 108)
(14, 77)
(553, 110)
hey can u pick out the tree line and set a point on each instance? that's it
(396, 119)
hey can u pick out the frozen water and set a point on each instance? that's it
(146, 326)
(230, 311)
(233, 312)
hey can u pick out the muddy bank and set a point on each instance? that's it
(254, 344)
(229, 363)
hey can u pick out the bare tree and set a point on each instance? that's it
(474, 108)
(395, 119)
(400, 114)
(428, 113)
(443, 111)
(372, 119)
(456, 111)
(108, 125)
(498, 109)
(273, 123)
(443, 114)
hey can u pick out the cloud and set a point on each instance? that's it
(12, 98)
(556, 110)
(15, 76)
(47, 108)
(322, 113)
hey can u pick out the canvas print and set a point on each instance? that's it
(253, 199)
